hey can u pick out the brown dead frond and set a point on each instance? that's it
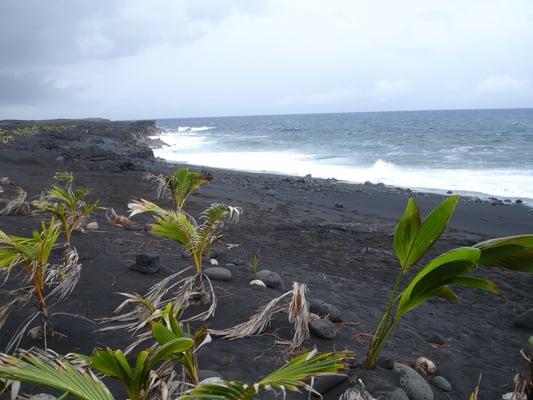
(118, 220)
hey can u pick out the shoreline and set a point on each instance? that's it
(307, 168)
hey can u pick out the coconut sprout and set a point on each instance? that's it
(39, 283)
(179, 185)
(67, 204)
(196, 237)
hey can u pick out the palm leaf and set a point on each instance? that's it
(430, 230)
(291, 377)
(177, 227)
(512, 252)
(55, 373)
(437, 274)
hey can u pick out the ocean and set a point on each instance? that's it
(474, 152)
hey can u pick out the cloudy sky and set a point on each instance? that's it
(176, 58)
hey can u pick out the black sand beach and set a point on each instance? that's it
(335, 237)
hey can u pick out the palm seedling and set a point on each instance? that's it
(413, 238)
(40, 282)
(180, 185)
(195, 237)
(66, 204)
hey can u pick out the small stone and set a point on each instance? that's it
(323, 328)
(325, 310)
(271, 279)
(518, 201)
(213, 262)
(207, 373)
(425, 366)
(449, 192)
(92, 226)
(218, 273)
(525, 320)
(408, 190)
(386, 363)
(392, 394)
(442, 383)
(147, 263)
(42, 396)
(326, 383)
(412, 382)
(435, 338)
(257, 282)
(339, 205)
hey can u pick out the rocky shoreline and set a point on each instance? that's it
(333, 236)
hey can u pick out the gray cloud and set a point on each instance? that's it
(165, 58)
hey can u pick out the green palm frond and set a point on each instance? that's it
(290, 378)
(50, 370)
(178, 228)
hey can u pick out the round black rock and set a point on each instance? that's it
(323, 328)
(147, 263)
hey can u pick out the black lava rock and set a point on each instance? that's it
(147, 263)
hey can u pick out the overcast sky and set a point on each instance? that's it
(177, 58)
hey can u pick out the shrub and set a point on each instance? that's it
(413, 238)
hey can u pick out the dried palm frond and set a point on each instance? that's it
(146, 308)
(297, 308)
(17, 205)
(64, 277)
(118, 220)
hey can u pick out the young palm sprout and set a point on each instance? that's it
(197, 238)
(41, 283)
(414, 237)
(293, 303)
(67, 204)
(180, 185)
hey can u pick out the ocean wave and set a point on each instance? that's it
(507, 183)
(182, 129)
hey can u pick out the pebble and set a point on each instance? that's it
(339, 205)
(436, 338)
(525, 320)
(412, 382)
(92, 226)
(518, 201)
(207, 373)
(213, 262)
(325, 310)
(271, 279)
(442, 383)
(392, 394)
(323, 328)
(257, 282)
(218, 273)
(326, 383)
(147, 263)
